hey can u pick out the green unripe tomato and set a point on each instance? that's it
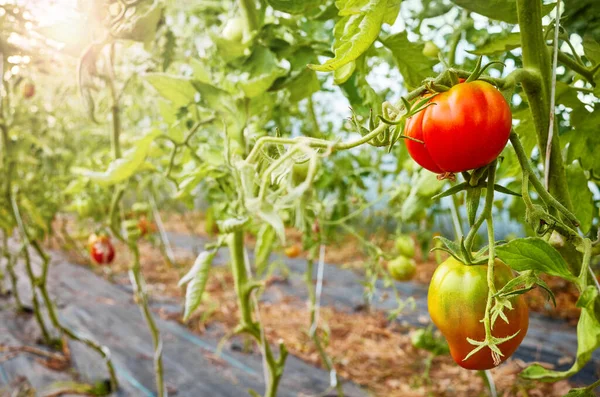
(402, 268)
(234, 29)
(431, 50)
(300, 172)
(405, 246)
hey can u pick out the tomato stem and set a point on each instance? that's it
(243, 287)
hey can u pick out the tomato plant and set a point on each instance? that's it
(466, 127)
(458, 295)
(245, 117)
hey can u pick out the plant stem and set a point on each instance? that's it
(458, 231)
(492, 253)
(243, 288)
(537, 184)
(313, 118)
(536, 57)
(139, 285)
(487, 209)
(456, 36)
(552, 97)
(248, 10)
(116, 113)
(101, 350)
(575, 66)
(314, 334)
(135, 272)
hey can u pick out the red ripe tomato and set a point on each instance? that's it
(466, 128)
(456, 301)
(101, 249)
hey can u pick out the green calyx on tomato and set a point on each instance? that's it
(457, 299)
(405, 246)
(402, 268)
(465, 128)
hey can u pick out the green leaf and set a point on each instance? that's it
(178, 90)
(501, 10)
(534, 254)
(588, 340)
(341, 75)
(526, 130)
(303, 86)
(270, 216)
(591, 48)
(264, 245)
(124, 167)
(393, 9)
(355, 32)
(259, 72)
(580, 392)
(580, 193)
(295, 6)
(499, 43)
(413, 65)
(196, 280)
(584, 139)
(229, 50)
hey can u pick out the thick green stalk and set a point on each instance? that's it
(137, 279)
(243, 289)
(536, 57)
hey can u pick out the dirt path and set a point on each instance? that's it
(93, 306)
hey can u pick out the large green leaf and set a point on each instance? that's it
(588, 340)
(591, 48)
(499, 43)
(178, 90)
(501, 10)
(413, 65)
(355, 32)
(295, 6)
(264, 245)
(526, 130)
(584, 140)
(196, 280)
(534, 254)
(259, 72)
(124, 167)
(580, 193)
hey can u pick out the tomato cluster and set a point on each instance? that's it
(457, 300)
(403, 267)
(464, 128)
(101, 249)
